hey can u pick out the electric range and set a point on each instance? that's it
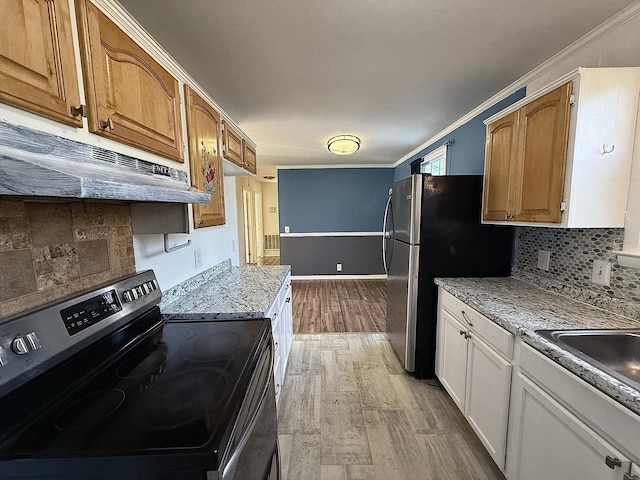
(99, 387)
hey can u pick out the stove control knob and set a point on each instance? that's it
(19, 345)
(33, 341)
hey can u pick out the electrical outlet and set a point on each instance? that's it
(544, 257)
(197, 257)
(286, 229)
(338, 267)
(601, 272)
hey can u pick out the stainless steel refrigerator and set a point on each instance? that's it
(432, 229)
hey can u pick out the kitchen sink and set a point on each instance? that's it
(617, 352)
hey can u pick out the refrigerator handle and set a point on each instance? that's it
(385, 236)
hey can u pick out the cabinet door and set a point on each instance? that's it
(487, 397)
(232, 144)
(501, 168)
(37, 63)
(550, 442)
(130, 97)
(249, 155)
(205, 162)
(544, 128)
(452, 363)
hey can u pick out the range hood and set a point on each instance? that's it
(39, 164)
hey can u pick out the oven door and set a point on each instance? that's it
(253, 448)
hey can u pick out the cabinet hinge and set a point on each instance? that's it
(572, 99)
(79, 111)
(563, 206)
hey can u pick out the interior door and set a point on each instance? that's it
(259, 226)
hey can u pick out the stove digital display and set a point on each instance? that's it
(91, 311)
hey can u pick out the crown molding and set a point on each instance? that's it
(328, 166)
(604, 29)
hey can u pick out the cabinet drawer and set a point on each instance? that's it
(496, 336)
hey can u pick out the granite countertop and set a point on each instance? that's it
(225, 294)
(522, 308)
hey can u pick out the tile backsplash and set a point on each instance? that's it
(572, 254)
(52, 250)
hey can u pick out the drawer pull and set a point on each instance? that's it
(466, 319)
(612, 462)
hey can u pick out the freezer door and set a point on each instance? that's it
(406, 207)
(402, 292)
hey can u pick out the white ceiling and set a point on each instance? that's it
(292, 73)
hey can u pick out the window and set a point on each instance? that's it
(435, 162)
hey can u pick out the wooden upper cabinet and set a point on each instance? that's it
(501, 149)
(37, 63)
(130, 97)
(525, 161)
(249, 157)
(544, 128)
(205, 160)
(232, 145)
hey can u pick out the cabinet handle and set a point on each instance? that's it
(464, 315)
(612, 462)
(79, 111)
(104, 124)
(630, 477)
(462, 332)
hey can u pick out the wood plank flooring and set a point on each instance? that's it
(321, 306)
(348, 411)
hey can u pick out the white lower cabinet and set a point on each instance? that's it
(550, 442)
(281, 316)
(475, 372)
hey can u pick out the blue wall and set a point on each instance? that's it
(465, 155)
(333, 199)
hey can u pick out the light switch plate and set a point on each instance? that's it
(601, 272)
(544, 257)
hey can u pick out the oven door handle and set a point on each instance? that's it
(230, 466)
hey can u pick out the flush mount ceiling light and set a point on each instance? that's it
(343, 144)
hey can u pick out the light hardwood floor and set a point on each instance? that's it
(349, 412)
(321, 306)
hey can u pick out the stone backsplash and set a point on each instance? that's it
(52, 250)
(572, 254)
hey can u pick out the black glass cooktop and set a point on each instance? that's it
(176, 389)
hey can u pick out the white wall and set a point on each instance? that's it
(270, 200)
(216, 244)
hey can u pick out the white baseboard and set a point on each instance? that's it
(339, 277)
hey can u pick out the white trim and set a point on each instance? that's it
(131, 27)
(329, 166)
(572, 75)
(339, 277)
(628, 259)
(594, 35)
(332, 234)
